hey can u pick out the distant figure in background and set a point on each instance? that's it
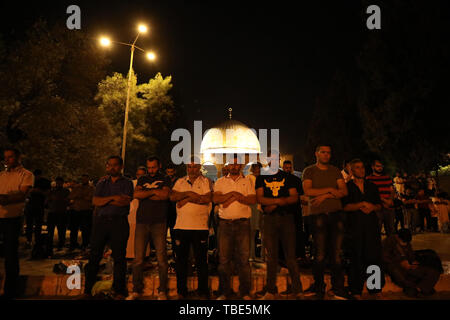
(401, 264)
(399, 216)
(81, 215)
(347, 171)
(399, 183)
(140, 172)
(171, 208)
(431, 185)
(15, 182)
(58, 201)
(423, 202)
(256, 219)
(440, 209)
(34, 209)
(384, 182)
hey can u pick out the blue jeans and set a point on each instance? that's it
(158, 234)
(234, 237)
(328, 232)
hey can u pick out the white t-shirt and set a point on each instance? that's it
(193, 216)
(236, 210)
(10, 182)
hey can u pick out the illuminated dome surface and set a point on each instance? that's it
(230, 137)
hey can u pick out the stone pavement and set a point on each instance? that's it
(39, 280)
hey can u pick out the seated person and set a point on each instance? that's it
(400, 263)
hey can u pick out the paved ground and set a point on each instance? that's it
(439, 242)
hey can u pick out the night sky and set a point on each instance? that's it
(268, 61)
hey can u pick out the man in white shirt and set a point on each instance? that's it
(193, 196)
(15, 182)
(235, 194)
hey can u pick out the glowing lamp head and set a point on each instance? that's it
(105, 42)
(151, 56)
(142, 28)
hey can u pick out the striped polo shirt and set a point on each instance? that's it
(384, 184)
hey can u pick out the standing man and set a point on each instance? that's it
(81, 215)
(234, 194)
(58, 201)
(362, 202)
(112, 198)
(384, 183)
(278, 196)
(153, 191)
(256, 219)
(34, 211)
(171, 208)
(192, 195)
(141, 171)
(299, 234)
(325, 186)
(15, 182)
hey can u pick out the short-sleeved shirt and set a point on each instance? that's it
(277, 186)
(384, 184)
(323, 179)
(106, 188)
(193, 216)
(152, 211)
(355, 195)
(12, 181)
(236, 210)
(82, 197)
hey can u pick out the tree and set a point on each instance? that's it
(150, 116)
(404, 69)
(47, 85)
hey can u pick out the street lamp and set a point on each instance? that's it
(106, 42)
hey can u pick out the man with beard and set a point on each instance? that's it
(277, 193)
(193, 196)
(325, 186)
(362, 202)
(112, 198)
(384, 183)
(153, 191)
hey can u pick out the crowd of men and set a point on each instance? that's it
(285, 211)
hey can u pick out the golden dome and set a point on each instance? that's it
(230, 136)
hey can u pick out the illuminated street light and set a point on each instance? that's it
(105, 42)
(142, 28)
(151, 56)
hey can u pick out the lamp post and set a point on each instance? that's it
(104, 41)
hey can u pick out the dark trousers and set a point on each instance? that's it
(386, 216)
(80, 220)
(10, 228)
(424, 278)
(365, 249)
(183, 239)
(280, 228)
(34, 218)
(58, 220)
(157, 232)
(328, 232)
(234, 241)
(299, 235)
(399, 219)
(115, 231)
(424, 214)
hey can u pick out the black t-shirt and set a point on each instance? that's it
(277, 186)
(152, 211)
(370, 194)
